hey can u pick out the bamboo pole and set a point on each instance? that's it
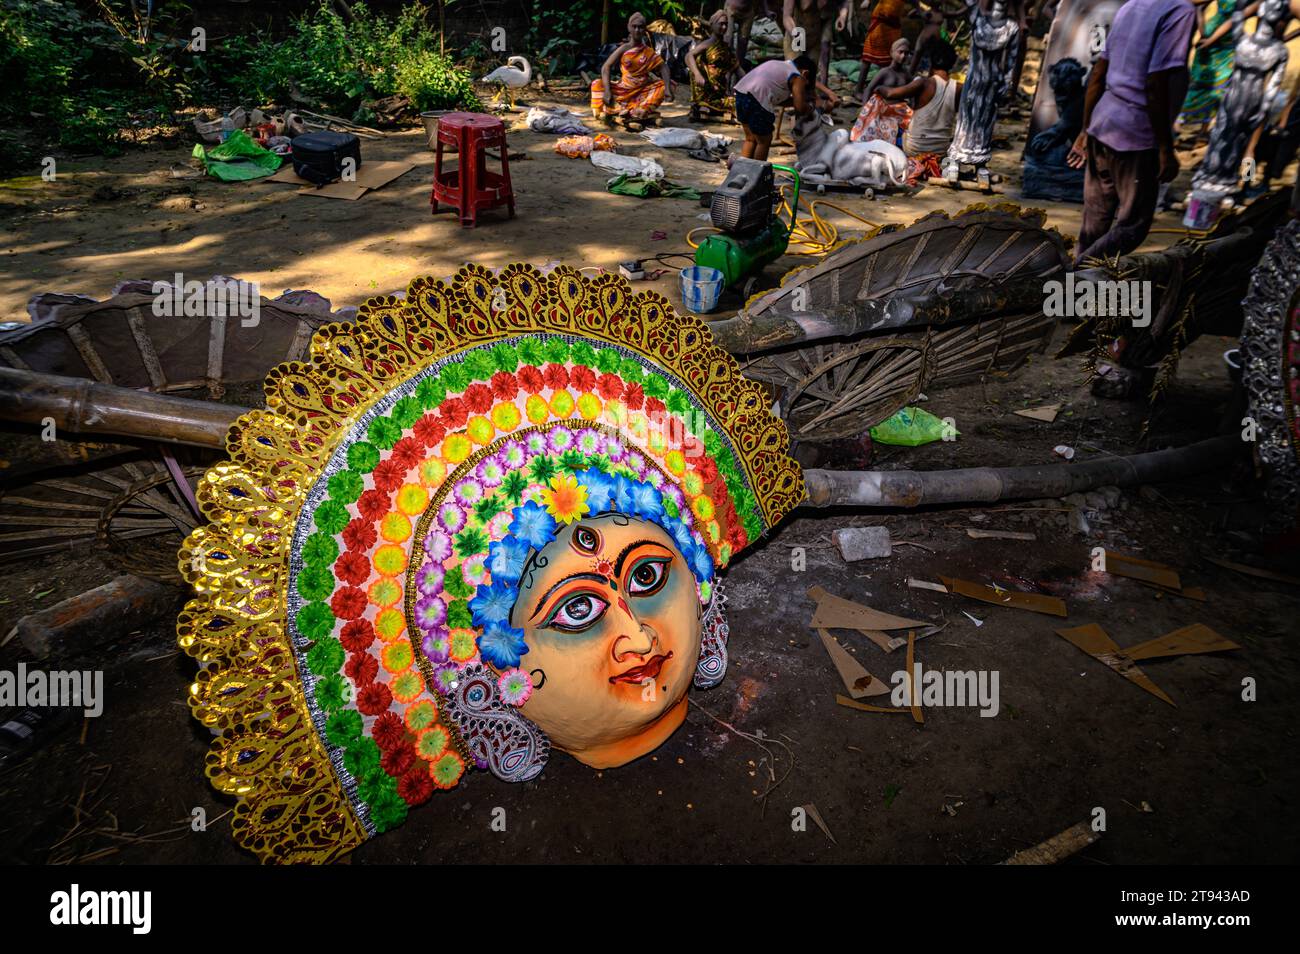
(82, 406)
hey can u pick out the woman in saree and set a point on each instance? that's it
(713, 67)
(1212, 64)
(639, 91)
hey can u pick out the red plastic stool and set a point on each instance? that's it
(470, 187)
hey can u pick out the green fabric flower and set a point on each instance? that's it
(343, 728)
(608, 360)
(630, 370)
(582, 353)
(407, 411)
(363, 457)
(670, 507)
(430, 393)
(333, 693)
(487, 508)
(678, 402)
(326, 656)
(555, 351)
(346, 486)
(458, 615)
(384, 432)
(655, 386)
(320, 549)
(513, 486)
(331, 517)
(455, 378)
(469, 542)
(388, 811)
(505, 357)
(315, 581)
(572, 461)
(601, 462)
(530, 352)
(542, 469)
(455, 585)
(479, 366)
(361, 757)
(314, 621)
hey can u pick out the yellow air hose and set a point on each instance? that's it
(818, 239)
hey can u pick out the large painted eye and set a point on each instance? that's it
(648, 576)
(578, 612)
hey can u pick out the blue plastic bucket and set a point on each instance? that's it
(701, 288)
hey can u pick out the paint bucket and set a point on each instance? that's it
(1202, 210)
(430, 120)
(701, 288)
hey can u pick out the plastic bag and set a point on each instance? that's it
(616, 164)
(580, 147)
(912, 427)
(238, 159)
(556, 120)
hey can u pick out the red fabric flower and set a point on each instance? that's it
(348, 603)
(374, 503)
(633, 396)
(706, 468)
(359, 535)
(361, 668)
(388, 475)
(397, 760)
(415, 786)
(737, 537)
(654, 406)
(408, 452)
(453, 413)
(556, 377)
(504, 385)
(530, 379)
(692, 447)
(609, 386)
(388, 731)
(352, 568)
(374, 699)
(582, 378)
(357, 635)
(429, 430)
(479, 398)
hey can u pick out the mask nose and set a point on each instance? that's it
(635, 638)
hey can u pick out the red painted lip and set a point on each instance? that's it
(647, 670)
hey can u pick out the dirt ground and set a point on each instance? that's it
(1208, 781)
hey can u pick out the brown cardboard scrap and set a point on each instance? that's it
(811, 811)
(1255, 571)
(913, 690)
(1146, 571)
(1046, 413)
(1034, 602)
(1094, 641)
(863, 707)
(977, 534)
(835, 612)
(916, 584)
(371, 175)
(1057, 848)
(1197, 638)
(857, 680)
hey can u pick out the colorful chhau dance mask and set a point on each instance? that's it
(485, 520)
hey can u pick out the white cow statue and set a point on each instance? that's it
(826, 155)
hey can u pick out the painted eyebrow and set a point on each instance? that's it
(618, 564)
(547, 595)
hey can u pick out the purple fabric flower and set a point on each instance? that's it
(490, 472)
(469, 492)
(512, 455)
(437, 646)
(446, 677)
(428, 579)
(561, 439)
(430, 611)
(536, 444)
(636, 461)
(588, 441)
(452, 518)
(614, 449)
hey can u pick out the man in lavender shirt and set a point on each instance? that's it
(1126, 146)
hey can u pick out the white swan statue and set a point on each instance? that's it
(510, 78)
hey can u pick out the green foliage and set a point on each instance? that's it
(340, 64)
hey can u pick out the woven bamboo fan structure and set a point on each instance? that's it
(863, 369)
(129, 499)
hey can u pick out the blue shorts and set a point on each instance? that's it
(752, 115)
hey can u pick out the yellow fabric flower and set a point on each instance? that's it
(412, 499)
(456, 448)
(505, 417)
(566, 499)
(589, 406)
(480, 429)
(433, 472)
(536, 408)
(561, 403)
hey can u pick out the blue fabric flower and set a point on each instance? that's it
(646, 501)
(533, 525)
(502, 645)
(702, 564)
(622, 494)
(600, 490)
(492, 603)
(506, 559)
